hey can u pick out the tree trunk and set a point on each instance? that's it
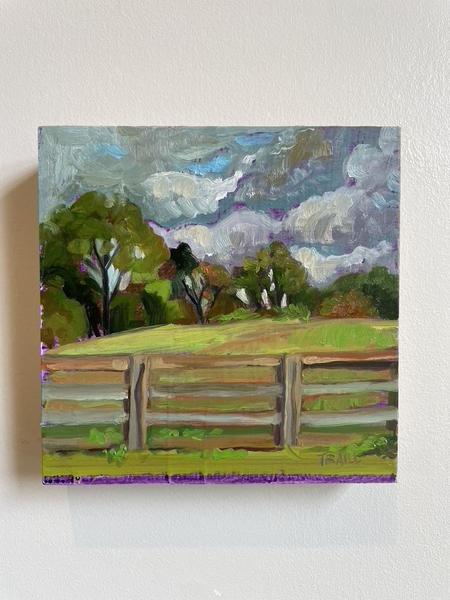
(105, 301)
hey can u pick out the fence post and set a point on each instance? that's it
(292, 400)
(138, 399)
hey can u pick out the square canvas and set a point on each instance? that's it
(219, 304)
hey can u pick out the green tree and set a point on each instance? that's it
(106, 238)
(199, 282)
(379, 285)
(273, 278)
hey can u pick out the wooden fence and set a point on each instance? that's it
(197, 402)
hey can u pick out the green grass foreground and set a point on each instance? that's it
(295, 461)
(256, 337)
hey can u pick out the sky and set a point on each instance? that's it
(331, 194)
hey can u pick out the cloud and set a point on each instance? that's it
(322, 270)
(367, 166)
(239, 235)
(172, 195)
(389, 140)
(348, 216)
(372, 167)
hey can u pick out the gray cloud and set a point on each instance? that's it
(323, 270)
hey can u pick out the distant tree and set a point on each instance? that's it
(107, 239)
(200, 282)
(346, 305)
(382, 287)
(273, 278)
(379, 285)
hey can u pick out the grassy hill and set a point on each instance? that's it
(255, 337)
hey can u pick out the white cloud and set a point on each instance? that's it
(373, 168)
(318, 219)
(240, 234)
(171, 195)
(322, 270)
(367, 166)
(389, 140)
(349, 216)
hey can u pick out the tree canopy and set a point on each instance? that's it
(107, 239)
(273, 278)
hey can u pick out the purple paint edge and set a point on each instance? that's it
(215, 479)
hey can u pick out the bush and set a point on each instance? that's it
(63, 319)
(116, 455)
(347, 304)
(298, 312)
(240, 314)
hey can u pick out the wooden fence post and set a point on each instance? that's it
(292, 400)
(138, 399)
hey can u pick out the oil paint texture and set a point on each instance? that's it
(219, 304)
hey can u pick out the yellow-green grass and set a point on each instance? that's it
(255, 337)
(296, 461)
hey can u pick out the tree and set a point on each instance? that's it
(382, 287)
(273, 278)
(379, 285)
(106, 238)
(200, 282)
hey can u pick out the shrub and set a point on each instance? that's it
(63, 319)
(240, 314)
(347, 304)
(293, 312)
(116, 455)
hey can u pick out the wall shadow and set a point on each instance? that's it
(20, 260)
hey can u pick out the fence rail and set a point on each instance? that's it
(196, 402)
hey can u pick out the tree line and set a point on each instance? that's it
(104, 270)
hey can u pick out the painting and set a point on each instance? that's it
(219, 304)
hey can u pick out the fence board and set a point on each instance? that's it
(356, 357)
(213, 419)
(216, 391)
(238, 375)
(82, 417)
(84, 363)
(88, 377)
(201, 362)
(195, 403)
(349, 417)
(51, 391)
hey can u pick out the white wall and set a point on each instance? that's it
(96, 62)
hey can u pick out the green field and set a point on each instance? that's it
(305, 461)
(254, 337)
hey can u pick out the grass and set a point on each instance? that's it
(256, 337)
(298, 461)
